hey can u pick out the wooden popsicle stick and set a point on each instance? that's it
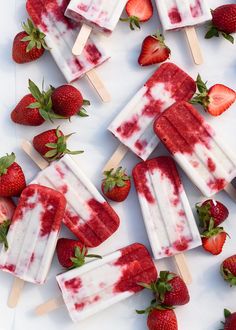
(231, 191)
(183, 269)
(194, 44)
(81, 40)
(15, 293)
(50, 306)
(98, 85)
(34, 155)
(116, 158)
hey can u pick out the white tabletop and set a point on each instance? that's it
(123, 77)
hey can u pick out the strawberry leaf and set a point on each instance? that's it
(3, 233)
(6, 162)
(228, 37)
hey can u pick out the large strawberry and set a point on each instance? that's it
(7, 209)
(116, 184)
(154, 50)
(211, 210)
(162, 319)
(223, 22)
(215, 100)
(228, 270)
(52, 144)
(67, 101)
(138, 11)
(230, 320)
(12, 179)
(72, 253)
(28, 45)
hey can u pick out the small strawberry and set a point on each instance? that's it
(116, 184)
(230, 320)
(52, 144)
(28, 45)
(213, 240)
(154, 50)
(223, 22)
(215, 100)
(138, 11)
(211, 210)
(12, 179)
(7, 209)
(228, 270)
(72, 253)
(67, 101)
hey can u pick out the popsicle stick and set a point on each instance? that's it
(50, 306)
(81, 40)
(34, 155)
(117, 157)
(183, 269)
(194, 44)
(15, 293)
(98, 85)
(231, 191)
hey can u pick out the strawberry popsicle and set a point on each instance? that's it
(100, 284)
(48, 16)
(33, 234)
(168, 217)
(201, 153)
(134, 124)
(87, 214)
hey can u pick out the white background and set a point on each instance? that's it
(123, 77)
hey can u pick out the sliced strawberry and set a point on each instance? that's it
(228, 270)
(220, 99)
(154, 50)
(138, 11)
(214, 240)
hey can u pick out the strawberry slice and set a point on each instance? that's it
(213, 242)
(138, 11)
(221, 98)
(154, 50)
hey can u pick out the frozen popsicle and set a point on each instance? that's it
(201, 153)
(33, 234)
(99, 15)
(87, 213)
(48, 16)
(177, 14)
(168, 217)
(100, 284)
(133, 126)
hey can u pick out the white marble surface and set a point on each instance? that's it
(123, 77)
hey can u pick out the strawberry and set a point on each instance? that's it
(162, 319)
(214, 240)
(154, 50)
(169, 289)
(28, 45)
(230, 320)
(7, 209)
(12, 179)
(211, 210)
(116, 184)
(67, 101)
(215, 100)
(223, 22)
(34, 108)
(228, 270)
(138, 11)
(72, 253)
(52, 144)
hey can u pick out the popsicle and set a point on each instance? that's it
(100, 284)
(133, 126)
(201, 153)
(33, 234)
(48, 16)
(167, 215)
(177, 14)
(99, 15)
(87, 214)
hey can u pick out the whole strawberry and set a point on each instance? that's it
(12, 179)
(28, 45)
(162, 319)
(67, 101)
(52, 144)
(230, 320)
(7, 209)
(72, 253)
(215, 100)
(213, 240)
(223, 22)
(228, 270)
(138, 11)
(116, 184)
(211, 210)
(154, 50)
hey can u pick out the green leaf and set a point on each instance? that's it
(73, 152)
(28, 38)
(6, 162)
(140, 311)
(3, 233)
(93, 256)
(145, 285)
(228, 37)
(34, 105)
(86, 102)
(51, 153)
(35, 90)
(30, 46)
(227, 313)
(82, 113)
(213, 32)
(51, 145)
